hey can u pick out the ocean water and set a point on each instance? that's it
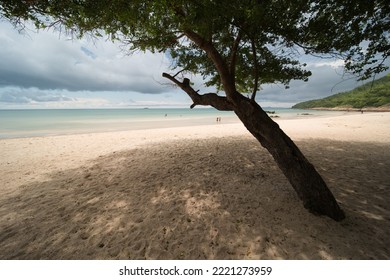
(42, 122)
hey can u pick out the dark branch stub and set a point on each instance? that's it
(208, 99)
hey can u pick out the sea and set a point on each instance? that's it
(18, 123)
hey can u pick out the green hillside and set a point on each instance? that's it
(372, 94)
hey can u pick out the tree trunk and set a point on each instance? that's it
(302, 175)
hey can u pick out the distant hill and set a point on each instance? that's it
(370, 96)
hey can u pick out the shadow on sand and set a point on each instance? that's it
(203, 199)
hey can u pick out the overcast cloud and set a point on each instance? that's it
(46, 60)
(46, 69)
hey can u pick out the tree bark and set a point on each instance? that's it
(302, 175)
(209, 99)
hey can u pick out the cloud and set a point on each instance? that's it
(45, 61)
(88, 52)
(335, 64)
(21, 98)
(31, 95)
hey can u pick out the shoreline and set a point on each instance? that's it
(197, 192)
(351, 109)
(39, 123)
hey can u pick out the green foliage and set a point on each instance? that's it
(259, 41)
(371, 94)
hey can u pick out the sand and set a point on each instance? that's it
(206, 192)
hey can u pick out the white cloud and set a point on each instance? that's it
(31, 95)
(16, 97)
(335, 64)
(44, 61)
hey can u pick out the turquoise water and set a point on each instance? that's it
(37, 122)
(42, 122)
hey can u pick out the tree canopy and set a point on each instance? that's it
(252, 41)
(236, 46)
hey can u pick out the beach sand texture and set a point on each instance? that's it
(207, 192)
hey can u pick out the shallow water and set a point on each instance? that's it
(42, 122)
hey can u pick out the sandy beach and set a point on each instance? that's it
(199, 192)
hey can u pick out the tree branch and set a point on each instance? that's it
(233, 55)
(217, 59)
(209, 99)
(182, 70)
(222, 68)
(256, 70)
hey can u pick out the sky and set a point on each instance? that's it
(44, 69)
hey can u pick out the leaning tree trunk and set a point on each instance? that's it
(302, 175)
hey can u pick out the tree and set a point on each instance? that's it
(236, 46)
